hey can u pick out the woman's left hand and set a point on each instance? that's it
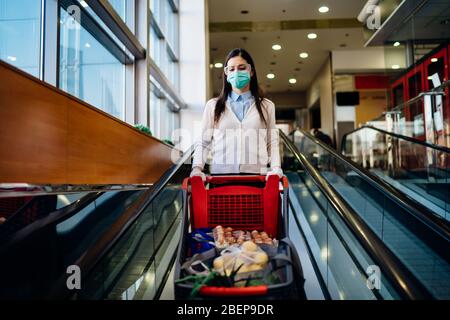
(275, 171)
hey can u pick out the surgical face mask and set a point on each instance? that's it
(239, 79)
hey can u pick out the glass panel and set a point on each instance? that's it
(120, 6)
(341, 261)
(155, 46)
(20, 34)
(154, 113)
(423, 251)
(89, 71)
(420, 172)
(136, 265)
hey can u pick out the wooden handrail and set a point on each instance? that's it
(50, 137)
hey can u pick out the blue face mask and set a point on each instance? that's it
(239, 79)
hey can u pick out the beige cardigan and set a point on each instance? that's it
(238, 147)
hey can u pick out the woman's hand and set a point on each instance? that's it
(197, 171)
(275, 171)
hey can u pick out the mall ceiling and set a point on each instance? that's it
(257, 25)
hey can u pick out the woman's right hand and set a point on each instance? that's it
(197, 171)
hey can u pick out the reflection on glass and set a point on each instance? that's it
(420, 172)
(20, 31)
(88, 70)
(340, 259)
(423, 251)
(120, 7)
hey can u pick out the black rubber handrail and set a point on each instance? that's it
(156, 190)
(424, 214)
(406, 284)
(398, 136)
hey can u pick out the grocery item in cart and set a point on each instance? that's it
(246, 258)
(225, 237)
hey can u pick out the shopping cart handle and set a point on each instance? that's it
(234, 291)
(243, 178)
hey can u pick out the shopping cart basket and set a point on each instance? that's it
(245, 203)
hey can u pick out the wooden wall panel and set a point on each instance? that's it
(50, 137)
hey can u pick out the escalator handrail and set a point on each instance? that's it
(407, 285)
(424, 214)
(100, 253)
(396, 135)
(157, 189)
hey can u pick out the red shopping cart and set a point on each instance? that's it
(246, 203)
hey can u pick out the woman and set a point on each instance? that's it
(239, 125)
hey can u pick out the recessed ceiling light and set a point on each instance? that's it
(312, 35)
(84, 4)
(396, 44)
(292, 80)
(303, 55)
(276, 47)
(324, 9)
(11, 58)
(87, 45)
(434, 59)
(218, 65)
(270, 76)
(395, 66)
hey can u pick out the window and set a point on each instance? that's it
(155, 46)
(154, 113)
(88, 70)
(20, 34)
(120, 7)
(164, 52)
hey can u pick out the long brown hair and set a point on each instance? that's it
(226, 87)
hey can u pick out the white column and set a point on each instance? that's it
(194, 62)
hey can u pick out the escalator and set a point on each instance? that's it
(104, 233)
(418, 239)
(416, 168)
(125, 241)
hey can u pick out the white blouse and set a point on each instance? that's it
(246, 146)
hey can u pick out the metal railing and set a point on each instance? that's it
(406, 284)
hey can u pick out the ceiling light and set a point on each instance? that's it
(87, 45)
(270, 76)
(84, 4)
(430, 77)
(303, 55)
(324, 9)
(11, 58)
(211, 66)
(218, 65)
(434, 59)
(396, 44)
(276, 47)
(314, 218)
(312, 35)
(395, 66)
(292, 80)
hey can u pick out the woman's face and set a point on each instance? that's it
(236, 61)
